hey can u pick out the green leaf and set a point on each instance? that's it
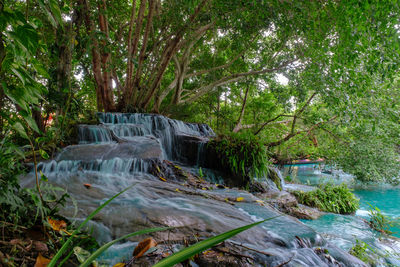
(43, 154)
(55, 10)
(49, 15)
(21, 130)
(31, 122)
(61, 251)
(188, 252)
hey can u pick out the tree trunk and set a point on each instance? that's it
(238, 126)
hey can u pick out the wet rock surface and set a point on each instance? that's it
(165, 194)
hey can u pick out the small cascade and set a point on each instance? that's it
(111, 166)
(128, 130)
(94, 134)
(165, 129)
(129, 149)
(200, 154)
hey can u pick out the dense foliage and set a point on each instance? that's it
(330, 198)
(242, 154)
(289, 79)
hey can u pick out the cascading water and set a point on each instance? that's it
(124, 149)
(93, 134)
(344, 230)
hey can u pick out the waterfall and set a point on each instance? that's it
(93, 134)
(163, 128)
(111, 166)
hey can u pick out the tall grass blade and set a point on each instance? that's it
(103, 248)
(64, 247)
(194, 249)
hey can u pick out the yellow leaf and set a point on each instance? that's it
(204, 188)
(143, 246)
(120, 264)
(177, 190)
(239, 199)
(41, 261)
(206, 252)
(162, 179)
(260, 201)
(57, 225)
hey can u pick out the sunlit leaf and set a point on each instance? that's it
(56, 224)
(144, 246)
(41, 261)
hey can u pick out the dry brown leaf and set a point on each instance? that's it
(41, 261)
(143, 246)
(120, 264)
(57, 225)
(40, 246)
(87, 185)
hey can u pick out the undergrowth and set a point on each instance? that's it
(243, 154)
(330, 198)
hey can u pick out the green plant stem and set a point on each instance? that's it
(36, 173)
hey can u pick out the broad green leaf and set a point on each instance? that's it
(21, 130)
(43, 154)
(55, 10)
(31, 122)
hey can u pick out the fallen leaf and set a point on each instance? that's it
(203, 188)
(206, 252)
(41, 261)
(239, 199)
(177, 190)
(40, 246)
(120, 264)
(57, 225)
(162, 179)
(81, 254)
(165, 254)
(87, 185)
(16, 242)
(143, 246)
(260, 201)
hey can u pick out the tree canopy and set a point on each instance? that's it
(213, 61)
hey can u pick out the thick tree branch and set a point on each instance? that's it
(229, 79)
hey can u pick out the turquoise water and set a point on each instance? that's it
(344, 230)
(386, 198)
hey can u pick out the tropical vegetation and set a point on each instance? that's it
(330, 198)
(277, 80)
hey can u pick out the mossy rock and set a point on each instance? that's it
(274, 177)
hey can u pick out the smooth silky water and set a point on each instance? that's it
(110, 166)
(344, 230)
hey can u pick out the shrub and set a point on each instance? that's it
(330, 198)
(379, 221)
(363, 251)
(243, 154)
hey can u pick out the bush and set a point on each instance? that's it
(243, 154)
(330, 198)
(363, 251)
(379, 221)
